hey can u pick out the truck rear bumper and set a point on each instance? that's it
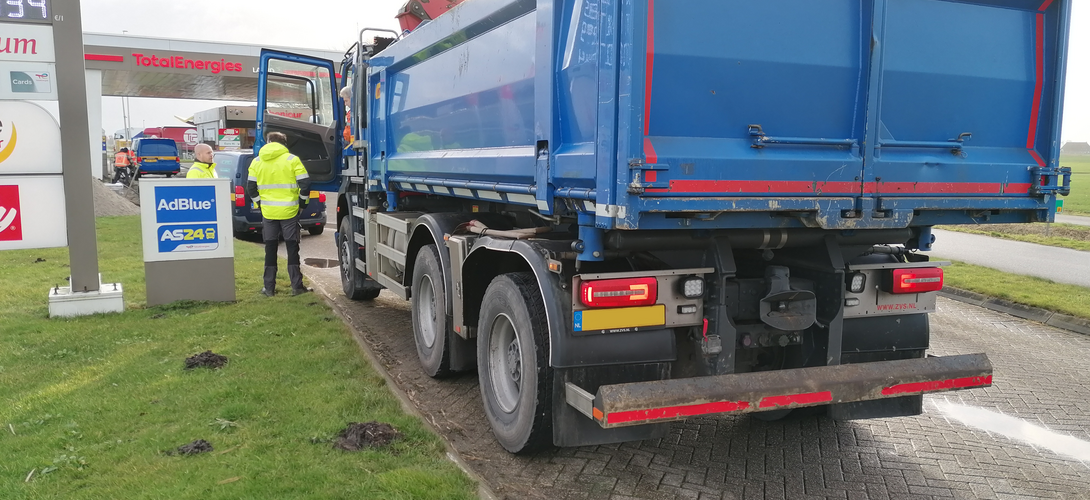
(621, 405)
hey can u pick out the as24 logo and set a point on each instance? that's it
(188, 238)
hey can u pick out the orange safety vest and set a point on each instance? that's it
(121, 160)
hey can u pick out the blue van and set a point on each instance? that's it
(156, 156)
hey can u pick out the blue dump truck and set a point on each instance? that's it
(623, 214)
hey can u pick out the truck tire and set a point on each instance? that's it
(429, 311)
(354, 283)
(512, 363)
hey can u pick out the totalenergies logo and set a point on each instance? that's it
(11, 224)
(7, 145)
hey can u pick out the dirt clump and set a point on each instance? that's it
(358, 436)
(206, 359)
(194, 448)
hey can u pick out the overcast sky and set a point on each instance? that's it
(333, 25)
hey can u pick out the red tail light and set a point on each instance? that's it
(628, 292)
(240, 197)
(928, 279)
(321, 197)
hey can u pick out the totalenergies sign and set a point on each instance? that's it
(182, 62)
(29, 140)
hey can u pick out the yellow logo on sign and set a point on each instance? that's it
(10, 146)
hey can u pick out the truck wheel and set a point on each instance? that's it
(512, 363)
(429, 311)
(354, 283)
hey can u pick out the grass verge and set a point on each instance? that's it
(1057, 235)
(1078, 202)
(91, 404)
(1068, 299)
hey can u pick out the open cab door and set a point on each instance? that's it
(297, 95)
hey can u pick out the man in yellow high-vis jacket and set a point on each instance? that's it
(280, 185)
(204, 167)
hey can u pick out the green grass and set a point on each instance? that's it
(1078, 202)
(90, 404)
(1068, 299)
(1059, 235)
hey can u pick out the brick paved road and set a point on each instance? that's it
(1040, 379)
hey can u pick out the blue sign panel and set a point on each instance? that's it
(188, 237)
(185, 204)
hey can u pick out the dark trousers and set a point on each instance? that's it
(271, 232)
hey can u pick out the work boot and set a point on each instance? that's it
(268, 293)
(296, 277)
(300, 291)
(270, 279)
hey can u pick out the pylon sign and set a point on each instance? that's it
(32, 201)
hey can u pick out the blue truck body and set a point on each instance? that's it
(713, 114)
(624, 213)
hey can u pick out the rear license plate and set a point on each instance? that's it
(617, 320)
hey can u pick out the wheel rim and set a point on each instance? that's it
(505, 363)
(347, 262)
(425, 309)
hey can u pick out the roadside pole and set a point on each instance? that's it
(75, 154)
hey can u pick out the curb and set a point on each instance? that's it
(483, 491)
(1050, 318)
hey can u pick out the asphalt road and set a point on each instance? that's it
(1078, 220)
(1028, 436)
(1061, 265)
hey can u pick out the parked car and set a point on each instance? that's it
(235, 165)
(156, 156)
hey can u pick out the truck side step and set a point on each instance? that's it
(621, 405)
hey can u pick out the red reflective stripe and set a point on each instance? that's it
(650, 66)
(798, 399)
(937, 385)
(684, 186)
(1045, 5)
(1035, 112)
(842, 188)
(1036, 157)
(649, 151)
(101, 57)
(953, 187)
(622, 417)
(651, 176)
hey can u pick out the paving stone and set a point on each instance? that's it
(1039, 377)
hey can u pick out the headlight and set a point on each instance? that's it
(692, 287)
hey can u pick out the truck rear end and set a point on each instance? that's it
(627, 213)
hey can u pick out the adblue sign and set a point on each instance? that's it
(184, 219)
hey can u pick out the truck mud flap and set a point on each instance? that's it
(621, 405)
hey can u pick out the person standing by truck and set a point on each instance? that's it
(279, 184)
(203, 167)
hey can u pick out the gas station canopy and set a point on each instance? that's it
(136, 66)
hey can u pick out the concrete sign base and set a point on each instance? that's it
(64, 303)
(206, 279)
